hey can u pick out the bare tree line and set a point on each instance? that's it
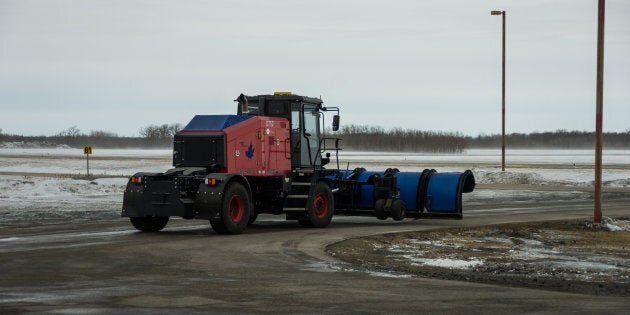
(152, 136)
(160, 134)
(354, 137)
(559, 139)
(373, 138)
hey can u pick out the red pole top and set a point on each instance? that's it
(496, 12)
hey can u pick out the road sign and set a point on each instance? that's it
(87, 150)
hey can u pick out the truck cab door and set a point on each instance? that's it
(305, 136)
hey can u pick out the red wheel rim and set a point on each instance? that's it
(236, 208)
(320, 205)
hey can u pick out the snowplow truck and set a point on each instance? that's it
(272, 157)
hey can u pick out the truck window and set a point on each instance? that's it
(311, 132)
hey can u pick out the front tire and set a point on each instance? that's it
(235, 210)
(319, 212)
(149, 224)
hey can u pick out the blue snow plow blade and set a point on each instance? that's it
(444, 191)
(439, 193)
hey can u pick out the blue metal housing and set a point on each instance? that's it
(214, 122)
(438, 193)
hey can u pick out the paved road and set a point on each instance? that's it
(275, 267)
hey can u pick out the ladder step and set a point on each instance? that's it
(294, 209)
(300, 184)
(297, 196)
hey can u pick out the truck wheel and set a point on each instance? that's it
(235, 211)
(320, 211)
(379, 209)
(398, 210)
(149, 224)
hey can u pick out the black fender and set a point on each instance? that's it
(135, 199)
(209, 198)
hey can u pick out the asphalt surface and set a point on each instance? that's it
(106, 267)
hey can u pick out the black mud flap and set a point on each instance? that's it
(154, 195)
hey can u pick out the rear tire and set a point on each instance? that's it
(319, 212)
(399, 210)
(379, 209)
(149, 224)
(235, 210)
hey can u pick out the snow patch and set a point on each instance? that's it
(388, 275)
(322, 266)
(39, 199)
(508, 178)
(616, 225)
(438, 243)
(502, 240)
(446, 262)
(584, 265)
(16, 188)
(32, 145)
(9, 239)
(414, 241)
(529, 242)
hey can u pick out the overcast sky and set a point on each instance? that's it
(432, 65)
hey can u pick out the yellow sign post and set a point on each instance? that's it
(87, 150)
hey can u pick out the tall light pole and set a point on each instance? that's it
(502, 93)
(599, 95)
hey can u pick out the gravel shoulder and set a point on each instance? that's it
(570, 255)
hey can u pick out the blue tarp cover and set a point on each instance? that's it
(214, 122)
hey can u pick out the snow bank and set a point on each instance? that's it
(15, 188)
(49, 200)
(46, 196)
(537, 156)
(64, 150)
(564, 177)
(32, 145)
(122, 168)
(445, 262)
(490, 177)
(616, 225)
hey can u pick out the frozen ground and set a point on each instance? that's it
(48, 185)
(574, 256)
(534, 167)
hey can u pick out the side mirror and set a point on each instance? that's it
(335, 124)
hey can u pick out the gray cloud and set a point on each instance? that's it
(121, 65)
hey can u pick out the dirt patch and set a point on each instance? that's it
(573, 256)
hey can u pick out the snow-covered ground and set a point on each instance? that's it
(542, 157)
(118, 162)
(534, 167)
(26, 197)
